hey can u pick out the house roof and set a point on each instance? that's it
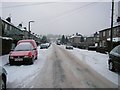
(9, 23)
(109, 28)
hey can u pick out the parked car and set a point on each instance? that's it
(33, 43)
(114, 59)
(44, 46)
(93, 48)
(69, 47)
(3, 78)
(48, 44)
(24, 53)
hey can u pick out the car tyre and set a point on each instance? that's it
(32, 61)
(3, 83)
(11, 64)
(111, 66)
(36, 58)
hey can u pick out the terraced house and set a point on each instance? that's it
(10, 34)
(104, 36)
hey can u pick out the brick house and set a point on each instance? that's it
(76, 40)
(104, 35)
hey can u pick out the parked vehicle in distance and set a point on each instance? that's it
(48, 44)
(3, 78)
(24, 53)
(58, 43)
(114, 59)
(93, 48)
(44, 46)
(69, 47)
(33, 43)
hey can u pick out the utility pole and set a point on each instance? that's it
(111, 36)
(29, 28)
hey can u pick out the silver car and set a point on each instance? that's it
(3, 78)
(69, 47)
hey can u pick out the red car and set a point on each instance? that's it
(24, 53)
(33, 43)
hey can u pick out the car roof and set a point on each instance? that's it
(25, 43)
(28, 40)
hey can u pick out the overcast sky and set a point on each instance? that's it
(61, 17)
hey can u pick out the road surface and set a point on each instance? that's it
(64, 70)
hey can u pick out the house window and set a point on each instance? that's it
(109, 33)
(10, 28)
(118, 32)
(114, 32)
(5, 27)
(104, 43)
(103, 33)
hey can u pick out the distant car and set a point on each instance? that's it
(114, 59)
(44, 46)
(69, 47)
(24, 53)
(3, 78)
(48, 44)
(93, 48)
(58, 43)
(33, 43)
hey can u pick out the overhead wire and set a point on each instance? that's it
(24, 5)
(69, 12)
(56, 17)
(76, 9)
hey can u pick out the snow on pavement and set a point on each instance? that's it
(3, 60)
(98, 61)
(20, 75)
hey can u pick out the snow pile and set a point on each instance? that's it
(98, 61)
(21, 75)
(4, 60)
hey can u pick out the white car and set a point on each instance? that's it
(69, 47)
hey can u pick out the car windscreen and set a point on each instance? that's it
(23, 47)
(116, 50)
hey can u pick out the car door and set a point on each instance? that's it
(118, 57)
(32, 50)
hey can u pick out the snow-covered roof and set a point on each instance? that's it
(117, 39)
(9, 23)
(74, 36)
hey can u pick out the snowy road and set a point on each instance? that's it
(56, 68)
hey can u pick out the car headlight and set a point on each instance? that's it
(11, 57)
(26, 56)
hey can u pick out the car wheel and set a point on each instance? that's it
(36, 58)
(32, 60)
(11, 64)
(3, 84)
(111, 66)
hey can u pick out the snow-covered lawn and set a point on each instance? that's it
(98, 61)
(19, 75)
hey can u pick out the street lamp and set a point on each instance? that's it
(29, 27)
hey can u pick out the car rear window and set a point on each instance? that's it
(23, 47)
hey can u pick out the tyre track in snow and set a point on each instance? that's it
(64, 70)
